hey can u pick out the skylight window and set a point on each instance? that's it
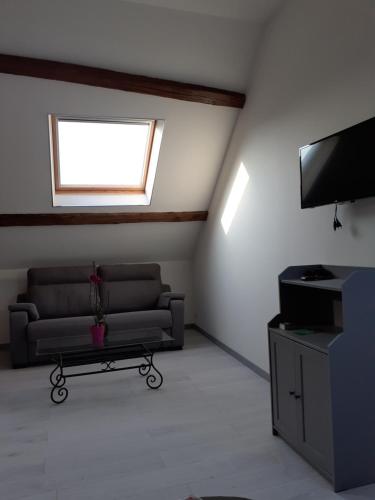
(94, 160)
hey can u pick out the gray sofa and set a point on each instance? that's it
(57, 304)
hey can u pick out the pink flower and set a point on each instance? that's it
(94, 278)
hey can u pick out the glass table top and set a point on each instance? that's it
(114, 339)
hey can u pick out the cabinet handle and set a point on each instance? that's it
(291, 393)
(297, 396)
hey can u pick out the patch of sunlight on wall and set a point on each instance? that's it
(234, 198)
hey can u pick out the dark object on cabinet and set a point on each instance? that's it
(323, 403)
(316, 274)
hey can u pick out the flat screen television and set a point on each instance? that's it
(340, 167)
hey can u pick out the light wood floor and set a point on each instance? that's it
(206, 431)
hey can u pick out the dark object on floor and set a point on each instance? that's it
(57, 304)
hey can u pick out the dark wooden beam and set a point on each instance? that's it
(98, 77)
(74, 219)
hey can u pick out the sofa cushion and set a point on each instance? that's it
(129, 272)
(60, 291)
(61, 300)
(59, 327)
(66, 327)
(123, 296)
(58, 275)
(130, 287)
(139, 319)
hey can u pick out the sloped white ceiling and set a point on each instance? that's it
(252, 10)
(138, 38)
(198, 47)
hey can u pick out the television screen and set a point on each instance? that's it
(340, 167)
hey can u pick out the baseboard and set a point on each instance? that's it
(256, 369)
(190, 326)
(4, 347)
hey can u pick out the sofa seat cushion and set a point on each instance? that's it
(59, 327)
(66, 327)
(139, 319)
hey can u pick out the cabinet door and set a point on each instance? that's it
(282, 357)
(314, 407)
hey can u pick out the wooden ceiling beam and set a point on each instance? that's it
(74, 219)
(99, 77)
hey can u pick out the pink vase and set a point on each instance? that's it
(97, 334)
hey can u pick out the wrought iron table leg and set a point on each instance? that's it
(154, 381)
(145, 368)
(54, 377)
(59, 393)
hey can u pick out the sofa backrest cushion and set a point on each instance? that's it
(60, 292)
(130, 287)
(58, 275)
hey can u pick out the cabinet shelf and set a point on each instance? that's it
(320, 340)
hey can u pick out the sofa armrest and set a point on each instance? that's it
(18, 321)
(27, 307)
(166, 298)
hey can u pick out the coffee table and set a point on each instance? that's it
(78, 350)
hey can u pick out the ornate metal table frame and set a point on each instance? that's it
(107, 357)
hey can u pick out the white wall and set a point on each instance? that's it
(315, 75)
(13, 281)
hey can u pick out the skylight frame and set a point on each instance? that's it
(92, 189)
